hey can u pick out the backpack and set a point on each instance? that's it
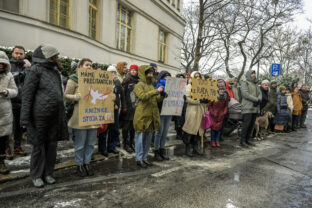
(134, 99)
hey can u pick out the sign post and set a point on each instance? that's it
(96, 105)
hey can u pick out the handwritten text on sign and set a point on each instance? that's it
(96, 105)
(204, 89)
(173, 104)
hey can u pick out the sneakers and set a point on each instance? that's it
(50, 180)
(19, 151)
(213, 143)
(8, 154)
(38, 183)
(218, 144)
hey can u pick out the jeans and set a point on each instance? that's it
(215, 135)
(113, 132)
(161, 134)
(248, 124)
(303, 116)
(142, 145)
(17, 129)
(84, 145)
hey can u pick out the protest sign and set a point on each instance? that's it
(96, 105)
(204, 89)
(173, 104)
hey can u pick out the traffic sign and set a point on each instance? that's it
(276, 69)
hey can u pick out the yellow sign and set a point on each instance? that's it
(204, 89)
(97, 103)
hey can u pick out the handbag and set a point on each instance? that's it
(207, 121)
(69, 110)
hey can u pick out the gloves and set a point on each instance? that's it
(204, 101)
(77, 96)
(255, 104)
(164, 94)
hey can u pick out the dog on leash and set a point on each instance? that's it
(261, 125)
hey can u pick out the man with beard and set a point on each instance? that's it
(19, 67)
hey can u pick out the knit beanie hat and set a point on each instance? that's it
(44, 52)
(282, 88)
(153, 65)
(149, 71)
(135, 67)
(221, 84)
(111, 68)
(265, 81)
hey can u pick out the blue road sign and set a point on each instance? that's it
(276, 70)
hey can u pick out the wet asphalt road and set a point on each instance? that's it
(275, 173)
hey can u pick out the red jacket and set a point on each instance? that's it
(217, 112)
(230, 91)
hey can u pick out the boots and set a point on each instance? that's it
(131, 144)
(3, 169)
(162, 154)
(157, 156)
(125, 141)
(188, 150)
(196, 147)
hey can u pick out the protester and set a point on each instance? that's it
(236, 88)
(8, 90)
(282, 114)
(43, 113)
(192, 127)
(265, 94)
(229, 89)
(218, 109)
(155, 68)
(126, 118)
(161, 134)
(251, 99)
(290, 105)
(179, 120)
(146, 117)
(19, 68)
(121, 70)
(293, 86)
(305, 97)
(85, 136)
(297, 108)
(271, 105)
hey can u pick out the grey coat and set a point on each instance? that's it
(6, 83)
(251, 95)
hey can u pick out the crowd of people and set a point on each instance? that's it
(36, 98)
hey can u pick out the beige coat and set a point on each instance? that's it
(70, 92)
(6, 83)
(290, 103)
(194, 114)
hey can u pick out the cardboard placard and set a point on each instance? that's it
(204, 89)
(173, 104)
(96, 105)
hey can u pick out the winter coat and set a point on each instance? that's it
(194, 114)
(282, 113)
(146, 116)
(217, 112)
(19, 73)
(297, 103)
(265, 98)
(251, 95)
(6, 83)
(290, 103)
(305, 97)
(128, 85)
(120, 95)
(70, 93)
(43, 110)
(230, 91)
(271, 105)
(161, 82)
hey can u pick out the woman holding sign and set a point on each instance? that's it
(194, 114)
(85, 136)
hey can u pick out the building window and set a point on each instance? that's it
(59, 12)
(162, 46)
(10, 5)
(123, 30)
(93, 18)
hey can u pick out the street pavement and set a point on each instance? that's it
(276, 173)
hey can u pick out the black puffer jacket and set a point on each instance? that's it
(19, 73)
(305, 99)
(43, 110)
(128, 85)
(265, 98)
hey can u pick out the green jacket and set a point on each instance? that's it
(251, 95)
(272, 101)
(146, 116)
